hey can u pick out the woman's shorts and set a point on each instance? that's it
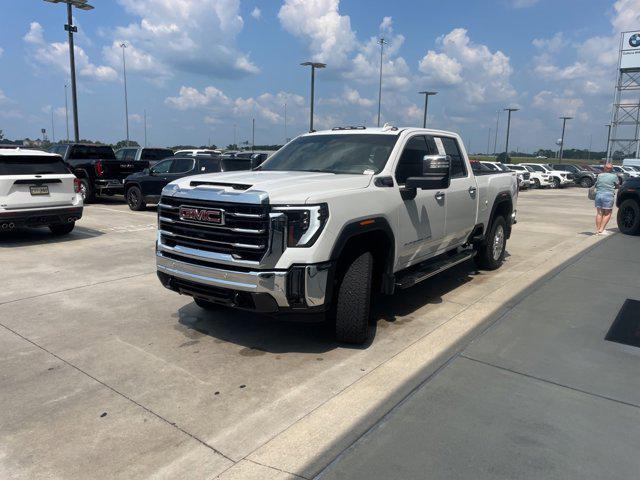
(604, 200)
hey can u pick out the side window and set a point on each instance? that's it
(119, 154)
(410, 164)
(458, 168)
(181, 165)
(129, 155)
(162, 167)
(208, 165)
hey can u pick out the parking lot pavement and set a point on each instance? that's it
(541, 394)
(110, 375)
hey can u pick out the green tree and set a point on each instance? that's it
(123, 143)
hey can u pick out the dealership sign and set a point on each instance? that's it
(630, 52)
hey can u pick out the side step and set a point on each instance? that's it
(418, 273)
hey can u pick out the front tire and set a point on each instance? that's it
(629, 217)
(555, 182)
(490, 254)
(536, 183)
(586, 182)
(353, 301)
(87, 191)
(135, 200)
(62, 228)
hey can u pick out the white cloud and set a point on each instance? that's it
(194, 36)
(482, 75)
(135, 118)
(522, 3)
(3, 98)
(552, 44)
(189, 98)
(256, 13)
(353, 97)
(1, 51)
(560, 105)
(329, 34)
(56, 55)
(386, 25)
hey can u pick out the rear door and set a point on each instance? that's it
(33, 181)
(421, 220)
(154, 155)
(462, 194)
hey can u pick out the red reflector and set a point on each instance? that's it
(99, 170)
(367, 222)
(76, 185)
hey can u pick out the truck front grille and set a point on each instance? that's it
(243, 233)
(526, 175)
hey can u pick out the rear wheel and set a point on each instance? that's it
(87, 191)
(353, 300)
(629, 217)
(491, 252)
(135, 200)
(62, 228)
(586, 182)
(536, 183)
(555, 182)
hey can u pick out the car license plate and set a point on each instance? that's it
(39, 190)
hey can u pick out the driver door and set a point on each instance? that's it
(421, 220)
(158, 177)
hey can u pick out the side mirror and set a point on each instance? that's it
(435, 173)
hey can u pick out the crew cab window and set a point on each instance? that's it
(90, 152)
(208, 165)
(162, 167)
(119, 154)
(410, 164)
(181, 165)
(129, 154)
(458, 168)
(156, 153)
(31, 165)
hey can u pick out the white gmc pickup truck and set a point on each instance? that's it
(330, 219)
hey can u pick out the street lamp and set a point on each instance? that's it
(71, 28)
(66, 109)
(509, 110)
(313, 66)
(126, 101)
(607, 156)
(426, 105)
(564, 123)
(382, 42)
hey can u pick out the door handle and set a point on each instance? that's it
(439, 196)
(472, 190)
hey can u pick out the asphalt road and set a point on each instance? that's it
(105, 374)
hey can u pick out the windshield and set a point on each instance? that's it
(536, 168)
(31, 165)
(342, 153)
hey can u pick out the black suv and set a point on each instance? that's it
(146, 186)
(97, 167)
(581, 176)
(628, 203)
(151, 154)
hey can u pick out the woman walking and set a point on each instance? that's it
(606, 185)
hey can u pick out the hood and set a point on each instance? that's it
(281, 187)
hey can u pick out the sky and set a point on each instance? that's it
(199, 67)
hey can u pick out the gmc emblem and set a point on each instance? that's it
(202, 215)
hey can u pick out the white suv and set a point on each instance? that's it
(37, 189)
(558, 178)
(539, 179)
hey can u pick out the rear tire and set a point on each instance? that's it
(135, 200)
(491, 252)
(586, 182)
(206, 305)
(536, 183)
(353, 301)
(555, 182)
(629, 217)
(62, 228)
(87, 191)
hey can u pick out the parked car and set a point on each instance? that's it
(330, 220)
(631, 171)
(37, 189)
(197, 151)
(581, 176)
(537, 179)
(524, 178)
(631, 162)
(558, 178)
(145, 187)
(150, 154)
(97, 167)
(628, 203)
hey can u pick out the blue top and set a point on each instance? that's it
(606, 182)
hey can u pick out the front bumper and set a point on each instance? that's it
(38, 217)
(303, 287)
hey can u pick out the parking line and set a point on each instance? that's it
(114, 210)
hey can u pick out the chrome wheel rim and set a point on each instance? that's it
(133, 198)
(83, 190)
(498, 242)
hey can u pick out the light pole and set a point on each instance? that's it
(66, 109)
(508, 128)
(145, 127)
(382, 42)
(607, 156)
(285, 123)
(564, 123)
(489, 142)
(313, 66)
(235, 136)
(53, 128)
(495, 140)
(426, 106)
(126, 100)
(71, 28)
(253, 134)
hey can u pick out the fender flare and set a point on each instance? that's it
(501, 198)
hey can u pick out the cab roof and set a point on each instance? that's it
(386, 130)
(24, 152)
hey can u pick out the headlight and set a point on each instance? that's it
(304, 223)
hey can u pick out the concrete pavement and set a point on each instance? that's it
(87, 330)
(541, 394)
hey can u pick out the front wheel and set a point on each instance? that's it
(62, 228)
(354, 300)
(555, 182)
(586, 182)
(629, 217)
(536, 183)
(490, 254)
(135, 200)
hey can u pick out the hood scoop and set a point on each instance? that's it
(235, 186)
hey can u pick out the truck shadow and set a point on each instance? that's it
(23, 237)
(307, 334)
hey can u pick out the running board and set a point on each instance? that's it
(419, 273)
